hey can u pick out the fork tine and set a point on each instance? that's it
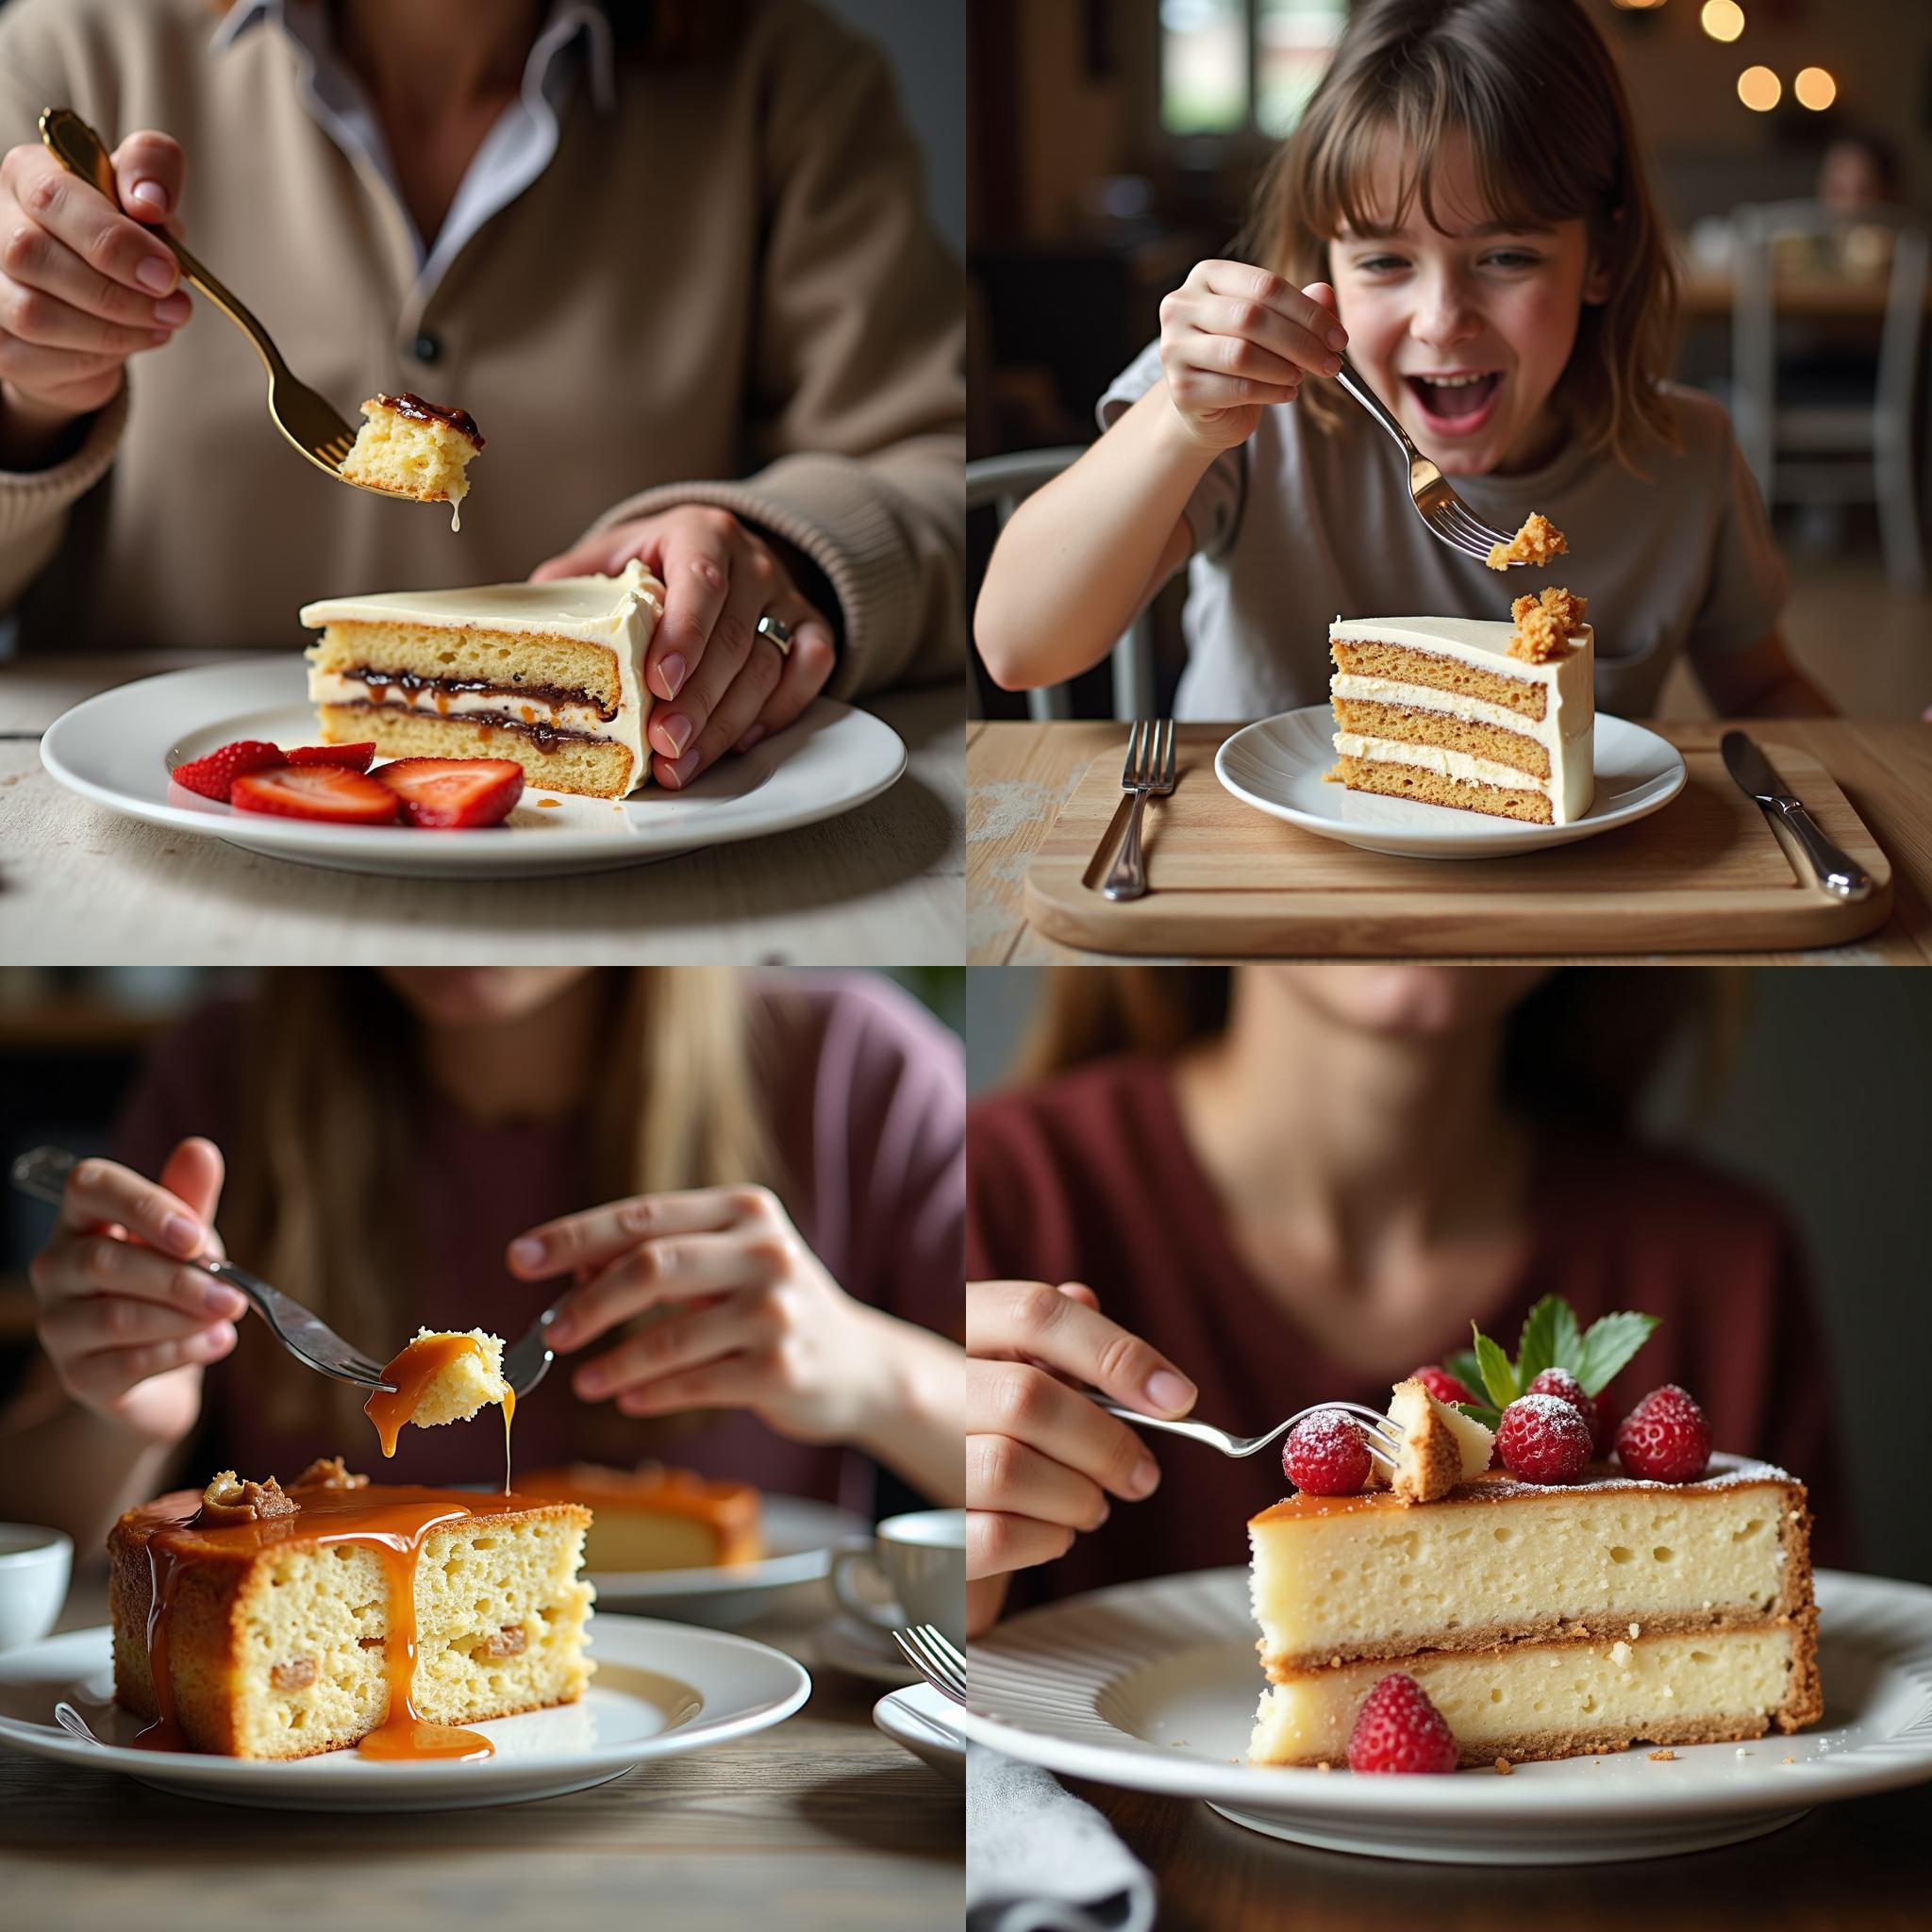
(1167, 769)
(1451, 536)
(1127, 769)
(1473, 527)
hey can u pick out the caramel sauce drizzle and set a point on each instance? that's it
(392, 1522)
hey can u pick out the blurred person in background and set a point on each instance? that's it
(671, 255)
(753, 1188)
(1244, 1192)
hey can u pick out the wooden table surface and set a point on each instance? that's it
(1018, 774)
(1861, 1863)
(822, 1822)
(82, 885)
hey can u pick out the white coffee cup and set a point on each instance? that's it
(34, 1564)
(921, 1558)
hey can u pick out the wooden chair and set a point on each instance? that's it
(1005, 482)
(1809, 452)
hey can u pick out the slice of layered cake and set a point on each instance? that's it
(257, 1622)
(1556, 1606)
(1478, 715)
(550, 675)
(408, 447)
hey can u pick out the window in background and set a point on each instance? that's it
(1232, 67)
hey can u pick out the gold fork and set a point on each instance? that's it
(305, 418)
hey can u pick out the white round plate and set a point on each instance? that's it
(844, 1644)
(1278, 764)
(1153, 1686)
(800, 1537)
(660, 1688)
(920, 1719)
(118, 749)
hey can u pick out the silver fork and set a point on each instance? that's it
(1148, 772)
(1446, 513)
(527, 1360)
(1384, 1438)
(306, 1337)
(309, 420)
(935, 1657)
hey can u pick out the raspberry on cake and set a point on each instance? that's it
(550, 675)
(255, 1622)
(1439, 709)
(655, 1517)
(1536, 542)
(408, 447)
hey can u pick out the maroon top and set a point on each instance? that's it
(867, 1097)
(1089, 1177)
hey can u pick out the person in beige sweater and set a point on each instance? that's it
(672, 258)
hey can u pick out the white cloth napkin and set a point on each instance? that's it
(1038, 1860)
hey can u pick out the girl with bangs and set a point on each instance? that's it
(1463, 210)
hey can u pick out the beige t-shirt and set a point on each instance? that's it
(1296, 527)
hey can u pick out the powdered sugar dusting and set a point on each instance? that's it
(1726, 1472)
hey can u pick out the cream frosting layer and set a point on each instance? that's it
(1443, 763)
(619, 613)
(1567, 729)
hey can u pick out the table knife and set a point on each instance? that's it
(1757, 779)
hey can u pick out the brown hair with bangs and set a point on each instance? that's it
(1535, 89)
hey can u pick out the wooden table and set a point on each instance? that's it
(822, 1822)
(1862, 1863)
(1018, 774)
(82, 885)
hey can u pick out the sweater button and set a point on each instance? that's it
(426, 348)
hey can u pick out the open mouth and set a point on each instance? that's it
(1458, 402)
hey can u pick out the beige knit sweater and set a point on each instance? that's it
(725, 291)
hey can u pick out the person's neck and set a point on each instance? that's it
(433, 58)
(537, 1067)
(1348, 1147)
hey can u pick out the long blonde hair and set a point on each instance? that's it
(323, 1155)
(1535, 89)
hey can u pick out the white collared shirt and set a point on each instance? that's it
(513, 153)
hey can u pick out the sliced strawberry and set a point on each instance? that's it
(355, 757)
(453, 794)
(214, 776)
(317, 792)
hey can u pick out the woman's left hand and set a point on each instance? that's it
(720, 686)
(751, 1318)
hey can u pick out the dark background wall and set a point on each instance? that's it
(1828, 1106)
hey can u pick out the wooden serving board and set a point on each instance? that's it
(1709, 873)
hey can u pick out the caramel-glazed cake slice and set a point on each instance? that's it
(655, 1518)
(551, 675)
(408, 447)
(256, 1623)
(1541, 1621)
(1441, 711)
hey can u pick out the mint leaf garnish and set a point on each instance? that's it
(1476, 1412)
(1498, 1377)
(1463, 1366)
(1550, 1340)
(1611, 1342)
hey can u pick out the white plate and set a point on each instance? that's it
(920, 1719)
(1277, 766)
(118, 748)
(800, 1537)
(1153, 1686)
(844, 1644)
(660, 1688)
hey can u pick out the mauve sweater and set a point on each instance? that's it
(1089, 1177)
(867, 1100)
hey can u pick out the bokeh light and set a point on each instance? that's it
(1760, 89)
(1815, 88)
(1722, 19)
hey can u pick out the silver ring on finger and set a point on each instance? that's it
(777, 630)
